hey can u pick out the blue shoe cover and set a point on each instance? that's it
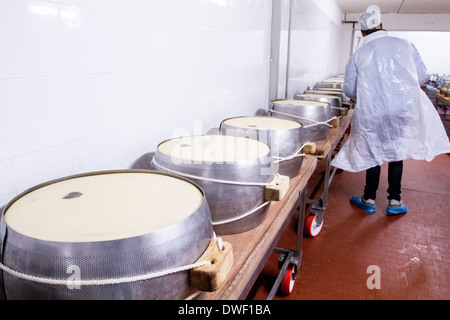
(391, 211)
(366, 207)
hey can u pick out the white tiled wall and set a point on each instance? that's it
(90, 85)
(317, 38)
(319, 45)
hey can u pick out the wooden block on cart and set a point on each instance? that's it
(210, 277)
(309, 148)
(334, 122)
(277, 191)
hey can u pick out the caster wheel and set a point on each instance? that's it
(312, 228)
(287, 283)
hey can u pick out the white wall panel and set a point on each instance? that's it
(91, 85)
(38, 167)
(315, 44)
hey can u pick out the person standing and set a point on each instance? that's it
(393, 119)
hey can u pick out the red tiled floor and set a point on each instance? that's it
(411, 250)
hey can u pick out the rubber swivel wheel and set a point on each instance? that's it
(287, 283)
(312, 227)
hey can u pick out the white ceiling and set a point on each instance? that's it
(396, 6)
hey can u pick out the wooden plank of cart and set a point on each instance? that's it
(251, 249)
(324, 151)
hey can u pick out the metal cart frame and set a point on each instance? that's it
(289, 257)
(319, 206)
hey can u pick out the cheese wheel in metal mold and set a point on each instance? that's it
(334, 101)
(310, 113)
(329, 84)
(283, 136)
(107, 225)
(330, 91)
(338, 80)
(232, 172)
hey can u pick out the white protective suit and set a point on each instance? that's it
(393, 118)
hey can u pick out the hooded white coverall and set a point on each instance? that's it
(393, 119)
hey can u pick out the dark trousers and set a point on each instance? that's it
(395, 172)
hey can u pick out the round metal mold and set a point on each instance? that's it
(338, 79)
(334, 101)
(283, 136)
(329, 84)
(310, 112)
(176, 245)
(233, 183)
(329, 91)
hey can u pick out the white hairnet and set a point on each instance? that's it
(371, 18)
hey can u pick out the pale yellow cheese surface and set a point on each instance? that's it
(214, 148)
(312, 95)
(328, 90)
(263, 123)
(103, 207)
(334, 80)
(302, 103)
